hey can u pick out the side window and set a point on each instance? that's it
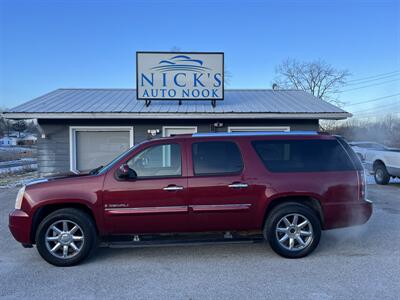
(212, 158)
(158, 161)
(303, 155)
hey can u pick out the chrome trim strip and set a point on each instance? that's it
(146, 210)
(238, 185)
(173, 188)
(221, 207)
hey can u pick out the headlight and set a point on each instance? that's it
(20, 196)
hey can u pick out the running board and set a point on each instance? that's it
(173, 240)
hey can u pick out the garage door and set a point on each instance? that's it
(94, 148)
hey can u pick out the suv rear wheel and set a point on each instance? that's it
(293, 230)
(66, 237)
(381, 175)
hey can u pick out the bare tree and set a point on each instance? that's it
(5, 125)
(317, 77)
(19, 126)
(227, 77)
(382, 130)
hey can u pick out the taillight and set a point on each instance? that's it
(362, 184)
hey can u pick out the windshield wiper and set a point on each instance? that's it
(96, 170)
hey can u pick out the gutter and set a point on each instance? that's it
(102, 115)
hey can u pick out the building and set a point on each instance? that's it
(28, 139)
(84, 128)
(8, 141)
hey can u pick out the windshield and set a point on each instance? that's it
(376, 146)
(115, 160)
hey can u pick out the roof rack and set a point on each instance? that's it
(254, 133)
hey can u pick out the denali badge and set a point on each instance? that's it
(116, 205)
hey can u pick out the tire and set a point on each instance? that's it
(381, 175)
(276, 229)
(78, 238)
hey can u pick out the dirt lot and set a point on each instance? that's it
(355, 263)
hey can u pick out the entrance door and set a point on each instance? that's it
(173, 130)
(257, 128)
(156, 200)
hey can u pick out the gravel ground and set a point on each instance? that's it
(355, 263)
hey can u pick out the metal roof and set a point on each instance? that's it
(122, 103)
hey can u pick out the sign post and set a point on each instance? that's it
(180, 76)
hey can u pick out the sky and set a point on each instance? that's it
(45, 45)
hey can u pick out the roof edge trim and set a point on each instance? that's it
(95, 115)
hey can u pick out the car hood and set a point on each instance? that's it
(57, 177)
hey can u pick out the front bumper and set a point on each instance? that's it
(19, 223)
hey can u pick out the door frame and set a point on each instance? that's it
(258, 128)
(72, 139)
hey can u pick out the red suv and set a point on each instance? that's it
(200, 187)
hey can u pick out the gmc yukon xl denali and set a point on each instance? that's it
(281, 187)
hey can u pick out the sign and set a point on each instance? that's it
(180, 75)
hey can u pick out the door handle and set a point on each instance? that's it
(238, 185)
(173, 188)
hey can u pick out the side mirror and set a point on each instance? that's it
(124, 172)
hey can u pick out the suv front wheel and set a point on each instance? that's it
(66, 237)
(292, 230)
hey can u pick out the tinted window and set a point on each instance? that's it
(158, 161)
(216, 158)
(303, 155)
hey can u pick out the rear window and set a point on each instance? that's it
(212, 158)
(354, 157)
(303, 155)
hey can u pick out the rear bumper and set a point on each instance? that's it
(19, 223)
(347, 214)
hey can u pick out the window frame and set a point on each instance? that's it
(240, 172)
(181, 148)
(72, 140)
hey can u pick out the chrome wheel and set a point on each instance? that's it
(64, 239)
(294, 232)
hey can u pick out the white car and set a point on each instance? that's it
(381, 161)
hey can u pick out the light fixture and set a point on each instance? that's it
(153, 132)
